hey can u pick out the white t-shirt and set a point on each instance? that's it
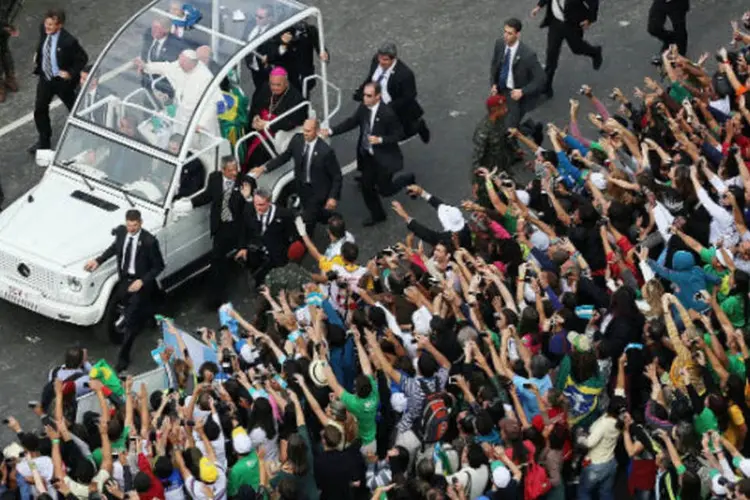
(259, 438)
(45, 468)
(218, 444)
(82, 490)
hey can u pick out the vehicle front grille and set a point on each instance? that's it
(32, 275)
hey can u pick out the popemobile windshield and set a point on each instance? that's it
(168, 92)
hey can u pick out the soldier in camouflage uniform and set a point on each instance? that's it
(7, 70)
(492, 146)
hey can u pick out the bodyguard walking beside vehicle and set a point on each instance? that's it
(139, 262)
(59, 62)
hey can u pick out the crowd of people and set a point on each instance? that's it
(546, 341)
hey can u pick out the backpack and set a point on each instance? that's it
(435, 415)
(536, 481)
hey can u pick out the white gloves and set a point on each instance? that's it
(182, 206)
(300, 224)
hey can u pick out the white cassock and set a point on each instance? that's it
(188, 89)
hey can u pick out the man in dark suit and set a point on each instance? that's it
(317, 174)
(266, 232)
(92, 96)
(515, 73)
(159, 45)
(399, 87)
(226, 192)
(378, 153)
(676, 11)
(566, 20)
(139, 262)
(258, 61)
(59, 61)
(193, 172)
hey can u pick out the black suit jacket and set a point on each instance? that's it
(192, 177)
(402, 87)
(575, 11)
(528, 74)
(214, 194)
(70, 55)
(299, 57)
(148, 259)
(170, 51)
(325, 171)
(264, 48)
(387, 126)
(279, 234)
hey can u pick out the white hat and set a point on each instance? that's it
(190, 54)
(398, 402)
(539, 240)
(500, 474)
(317, 375)
(598, 180)
(241, 442)
(523, 197)
(720, 256)
(13, 450)
(451, 218)
(580, 343)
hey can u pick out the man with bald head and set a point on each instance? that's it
(317, 174)
(189, 79)
(159, 45)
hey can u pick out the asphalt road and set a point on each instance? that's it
(447, 43)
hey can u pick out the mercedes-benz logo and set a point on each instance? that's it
(23, 270)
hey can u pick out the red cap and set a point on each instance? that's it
(296, 251)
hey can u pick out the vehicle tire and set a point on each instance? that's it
(289, 198)
(105, 330)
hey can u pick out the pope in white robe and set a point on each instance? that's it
(189, 78)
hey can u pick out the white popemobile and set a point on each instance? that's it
(103, 165)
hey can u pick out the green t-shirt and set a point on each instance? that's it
(118, 445)
(509, 222)
(364, 410)
(678, 92)
(735, 309)
(245, 471)
(705, 421)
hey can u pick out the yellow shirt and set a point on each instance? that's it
(736, 421)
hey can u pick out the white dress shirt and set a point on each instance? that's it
(131, 265)
(188, 89)
(382, 75)
(373, 114)
(558, 9)
(513, 50)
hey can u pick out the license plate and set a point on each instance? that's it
(19, 297)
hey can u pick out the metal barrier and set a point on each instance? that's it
(271, 151)
(155, 380)
(336, 89)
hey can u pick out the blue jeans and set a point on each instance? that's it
(599, 479)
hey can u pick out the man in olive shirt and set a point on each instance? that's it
(363, 404)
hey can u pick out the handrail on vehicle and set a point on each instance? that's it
(336, 89)
(263, 140)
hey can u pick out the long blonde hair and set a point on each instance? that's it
(652, 292)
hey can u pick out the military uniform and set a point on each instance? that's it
(7, 68)
(492, 147)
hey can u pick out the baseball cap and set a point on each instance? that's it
(241, 441)
(578, 342)
(500, 474)
(207, 471)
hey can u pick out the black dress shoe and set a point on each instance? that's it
(424, 132)
(370, 221)
(598, 59)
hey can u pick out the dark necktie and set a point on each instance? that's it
(504, 70)
(364, 142)
(47, 58)
(128, 254)
(306, 161)
(154, 54)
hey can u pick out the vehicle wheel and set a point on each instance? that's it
(105, 329)
(289, 198)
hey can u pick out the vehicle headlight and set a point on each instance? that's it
(74, 284)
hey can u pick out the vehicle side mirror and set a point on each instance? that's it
(44, 157)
